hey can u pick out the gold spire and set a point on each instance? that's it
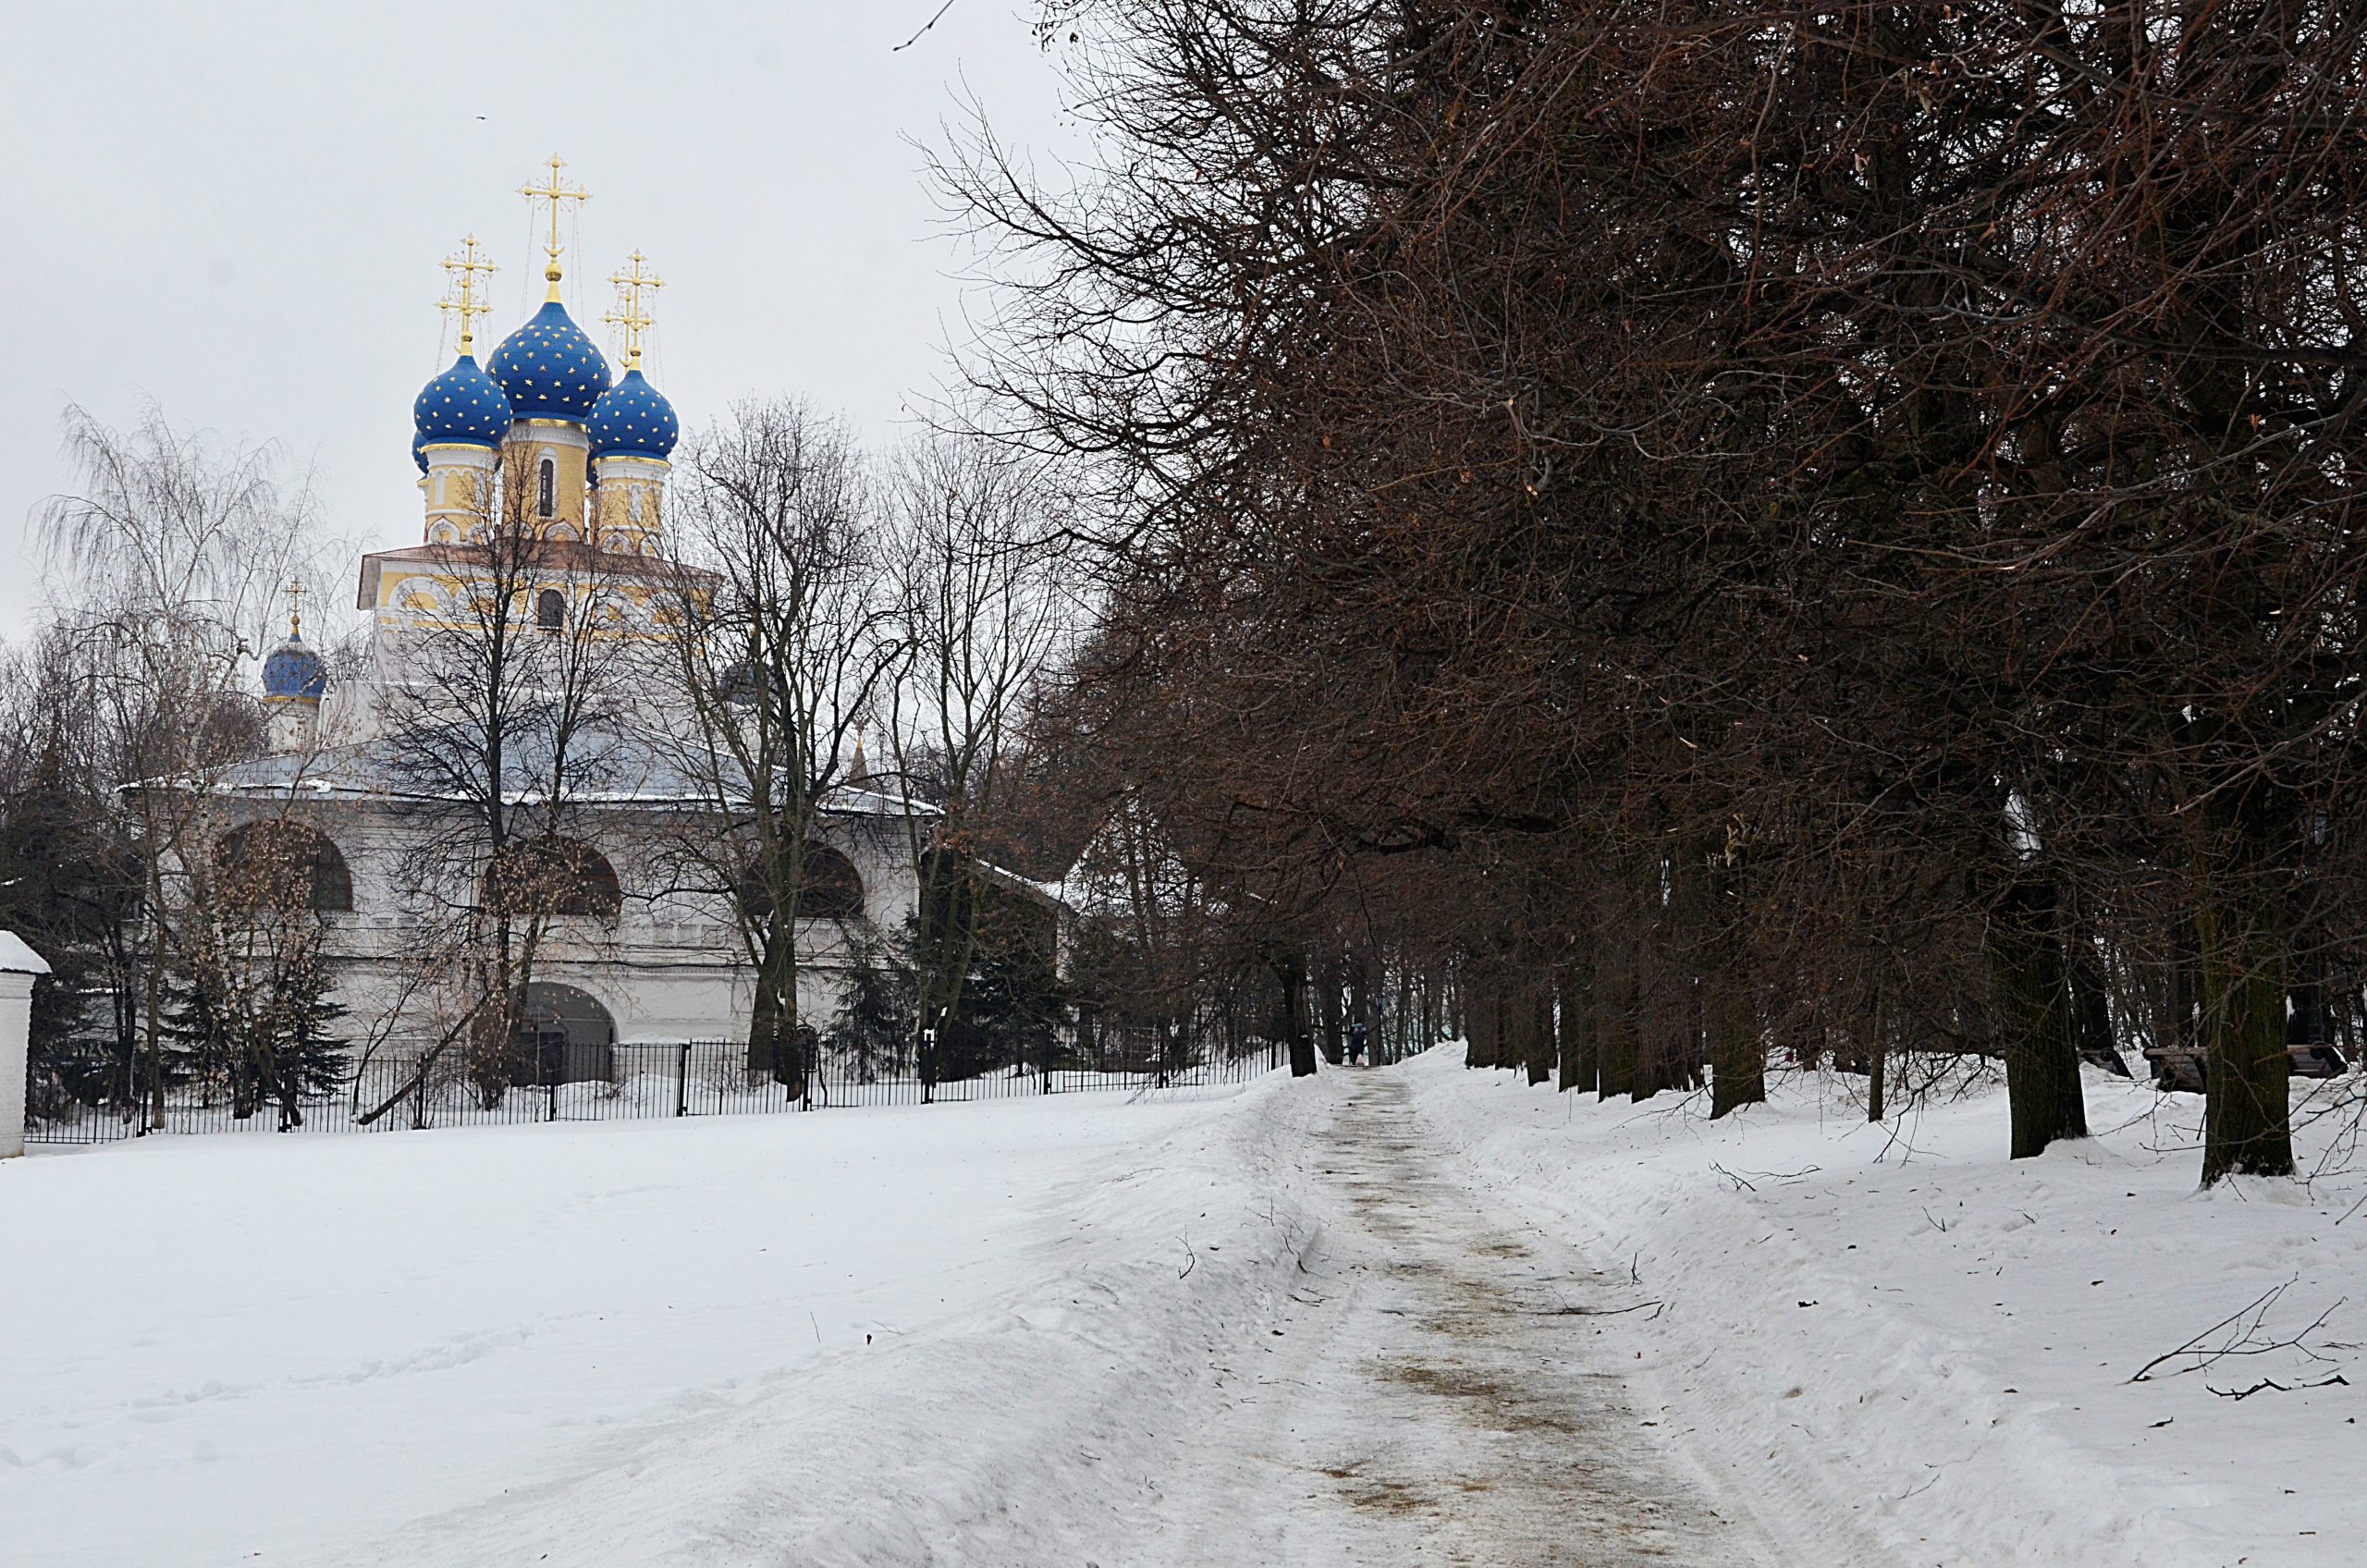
(630, 314)
(460, 271)
(555, 193)
(295, 609)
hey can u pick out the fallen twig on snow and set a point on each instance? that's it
(2266, 1383)
(1591, 1311)
(2240, 1342)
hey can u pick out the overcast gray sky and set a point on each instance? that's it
(238, 210)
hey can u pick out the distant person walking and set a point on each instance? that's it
(1355, 1045)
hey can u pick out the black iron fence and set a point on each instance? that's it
(578, 1082)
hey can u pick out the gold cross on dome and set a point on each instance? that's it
(462, 270)
(295, 609)
(630, 314)
(554, 192)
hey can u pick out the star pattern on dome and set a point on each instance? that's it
(549, 369)
(634, 419)
(294, 670)
(462, 407)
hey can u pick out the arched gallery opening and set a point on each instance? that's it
(566, 1036)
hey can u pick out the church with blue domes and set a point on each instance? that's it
(542, 475)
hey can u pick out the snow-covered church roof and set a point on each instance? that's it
(633, 770)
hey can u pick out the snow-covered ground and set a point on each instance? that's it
(606, 1342)
(1401, 1316)
(1902, 1323)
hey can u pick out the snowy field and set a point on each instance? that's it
(1414, 1315)
(445, 1347)
(1938, 1340)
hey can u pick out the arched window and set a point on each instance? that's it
(554, 876)
(830, 889)
(550, 610)
(547, 488)
(280, 865)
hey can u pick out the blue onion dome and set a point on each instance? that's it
(632, 419)
(548, 368)
(462, 407)
(294, 670)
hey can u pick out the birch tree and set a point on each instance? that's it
(165, 573)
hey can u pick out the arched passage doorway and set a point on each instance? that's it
(565, 1035)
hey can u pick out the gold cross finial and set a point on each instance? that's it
(630, 314)
(554, 192)
(462, 270)
(295, 609)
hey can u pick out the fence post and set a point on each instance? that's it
(18, 965)
(682, 1082)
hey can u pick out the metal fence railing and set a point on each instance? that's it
(618, 1083)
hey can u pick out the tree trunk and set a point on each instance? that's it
(1616, 1019)
(1875, 1045)
(2186, 985)
(1402, 1044)
(1327, 1000)
(2042, 1089)
(1512, 1032)
(1576, 1032)
(775, 1047)
(2091, 1001)
(1659, 1017)
(1738, 1053)
(1291, 969)
(1483, 1021)
(1535, 1002)
(155, 996)
(2246, 1128)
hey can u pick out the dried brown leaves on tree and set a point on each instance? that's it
(1841, 514)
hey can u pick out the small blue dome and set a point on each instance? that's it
(463, 407)
(294, 670)
(632, 419)
(548, 369)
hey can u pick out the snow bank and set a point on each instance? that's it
(856, 1338)
(1902, 1325)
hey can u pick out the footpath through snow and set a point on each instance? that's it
(1410, 1316)
(1902, 1326)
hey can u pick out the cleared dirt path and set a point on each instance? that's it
(1443, 1389)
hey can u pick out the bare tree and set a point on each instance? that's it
(251, 1007)
(71, 876)
(781, 654)
(1559, 439)
(165, 575)
(983, 610)
(507, 712)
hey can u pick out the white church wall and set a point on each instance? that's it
(668, 969)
